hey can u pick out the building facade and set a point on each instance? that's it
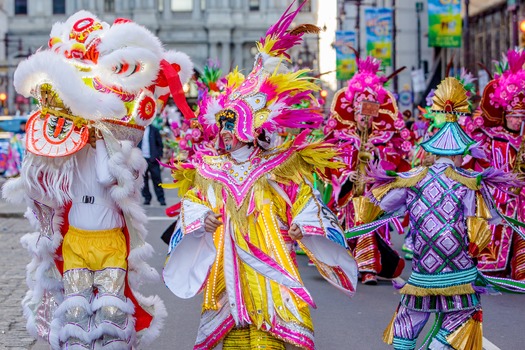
(222, 30)
(405, 32)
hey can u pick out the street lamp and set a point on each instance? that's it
(3, 97)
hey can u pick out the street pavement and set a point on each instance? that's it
(340, 322)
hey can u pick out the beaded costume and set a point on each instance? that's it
(390, 141)
(253, 293)
(88, 254)
(448, 210)
(504, 98)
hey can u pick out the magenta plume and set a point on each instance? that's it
(279, 32)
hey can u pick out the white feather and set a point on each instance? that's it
(50, 67)
(212, 109)
(184, 61)
(131, 35)
(130, 82)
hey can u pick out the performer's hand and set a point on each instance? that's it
(352, 176)
(212, 222)
(295, 232)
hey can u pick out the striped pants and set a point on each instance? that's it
(408, 324)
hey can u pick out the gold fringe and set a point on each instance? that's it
(447, 291)
(482, 210)
(237, 338)
(365, 210)
(388, 334)
(399, 182)
(468, 336)
(470, 182)
(478, 233)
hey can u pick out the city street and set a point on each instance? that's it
(340, 323)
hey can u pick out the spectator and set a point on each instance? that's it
(152, 151)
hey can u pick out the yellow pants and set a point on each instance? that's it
(94, 250)
(251, 338)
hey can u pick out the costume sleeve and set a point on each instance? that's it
(191, 249)
(394, 201)
(477, 213)
(323, 239)
(102, 158)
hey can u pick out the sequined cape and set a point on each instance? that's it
(245, 269)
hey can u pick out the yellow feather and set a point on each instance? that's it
(184, 179)
(293, 81)
(235, 78)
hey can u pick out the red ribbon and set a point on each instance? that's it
(175, 85)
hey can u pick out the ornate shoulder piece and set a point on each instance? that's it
(467, 178)
(183, 177)
(397, 180)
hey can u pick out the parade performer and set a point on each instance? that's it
(449, 210)
(366, 126)
(434, 122)
(500, 129)
(97, 86)
(242, 210)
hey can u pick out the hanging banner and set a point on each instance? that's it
(444, 23)
(379, 34)
(345, 57)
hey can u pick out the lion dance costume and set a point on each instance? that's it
(253, 293)
(87, 256)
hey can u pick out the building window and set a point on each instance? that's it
(109, 6)
(20, 7)
(181, 5)
(59, 7)
(307, 7)
(254, 5)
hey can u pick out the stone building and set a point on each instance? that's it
(223, 30)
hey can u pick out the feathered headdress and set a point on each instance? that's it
(366, 85)
(267, 99)
(451, 100)
(438, 119)
(505, 94)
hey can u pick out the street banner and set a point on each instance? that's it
(345, 57)
(418, 80)
(444, 23)
(379, 34)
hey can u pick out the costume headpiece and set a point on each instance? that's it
(366, 85)
(505, 94)
(97, 74)
(438, 119)
(267, 99)
(451, 100)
